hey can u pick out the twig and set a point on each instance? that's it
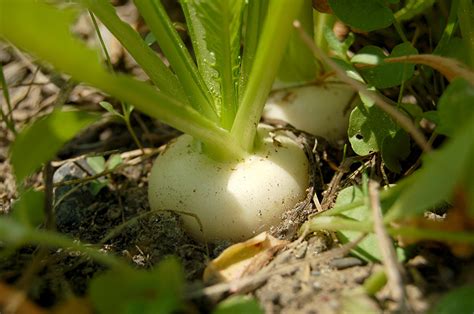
(392, 267)
(333, 187)
(449, 67)
(49, 221)
(248, 283)
(132, 162)
(402, 120)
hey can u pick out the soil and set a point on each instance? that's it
(314, 274)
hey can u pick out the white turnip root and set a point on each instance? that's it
(321, 110)
(233, 200)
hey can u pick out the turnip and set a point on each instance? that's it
(319, 109)
(234, 176)
(233, 199)
(318, 106)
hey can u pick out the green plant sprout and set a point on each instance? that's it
(252, 173)
(126, 108)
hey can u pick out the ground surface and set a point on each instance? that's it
(310, 275)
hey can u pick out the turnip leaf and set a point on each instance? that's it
(298, 64)
(372, 130)
(455, 107)
(385, 75)
(215, 27)
(264, 69)
(368, 127)
(365, 15)
(178, 56)
(395, 149)
(45, 40)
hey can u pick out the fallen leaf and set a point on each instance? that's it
(13, 300)
(243, 258)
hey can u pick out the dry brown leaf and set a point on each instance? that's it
(449, 67)
(15, 301)
(243, 258)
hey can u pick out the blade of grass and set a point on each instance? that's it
(52, 42)
(7, 117)
(215, 27)
(102, 43)
(271, 47)
(449, 29)
(178, 56)
(151, 63)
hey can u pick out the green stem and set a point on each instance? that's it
(133, 134)
(102, 43)
(375, 282)
(431, 234)
(271, 48)
(466, 23)
(256, 11)
(125, 107)
(449, 28)
(322, 21)
(149, 61)
(338, 223)
(44, 40)
(400, 31)
(335, 223)
(178, 56)
(7, 117)
(170, 111)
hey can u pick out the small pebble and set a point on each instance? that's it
(315, 273)
(272, 296)
(300, 250)
(70, 171)
(346, 262)
(296, 286)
